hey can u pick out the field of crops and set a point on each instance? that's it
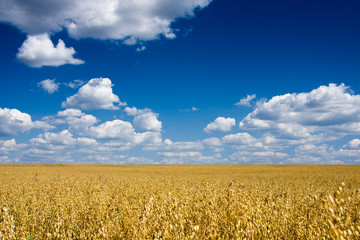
(179, 202)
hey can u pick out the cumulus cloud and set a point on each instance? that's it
(220, 124)
(312, 150)
(49, 85)
(96, 94)
(239, 139)
(212, 141)
(115, 135)
(47, 155)
(144, 119)
(70, 112)
(82, 124)
(353, 144)
(109, 19)
(125, 132)
(13, 121)
(60, 141)
(116, 129)
(9, 145)
(324, 113)
(321, 154)
(147, 138)
(77, 121)
(179, 154)
(214, 144)
(168, 145)
(246, 101)
(61, 138)
(147, 121)
(131, 111)
(263, 157)
(38, 51)
(190, 157)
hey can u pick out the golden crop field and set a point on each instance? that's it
(179, 202)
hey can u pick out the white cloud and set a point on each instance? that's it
(353, 144)
(70, 112)
(4, 145)
(346, 156)
(323, 154)
(267, 142)
(13, 121)
(131, 111)
(61, 141)
(212, 141)
(9, 145)
(116, 135)
(312, 150)
(179, 154)
(190, 157)
(147, 138)
(96, 94)
(263, 157)
(107, 19)
(62, 138)
(147, 121)
(325, 113)
(81, 125)
(114, 146)
(246, 101)
(85, 142)
(116, 129)
(74, 84)
(141, 49)
(77, 121)
(5, 160)
(47, 155)
(124, 132)
(49, 85)
(130, 41)
(220, 124)
(38, 51)
(144, 119)
(214, 144)
(169, 145)
(239, 139)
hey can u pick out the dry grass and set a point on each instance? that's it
(179, 202)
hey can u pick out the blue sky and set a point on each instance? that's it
(185, 82)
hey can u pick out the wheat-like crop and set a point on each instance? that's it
(179, 202)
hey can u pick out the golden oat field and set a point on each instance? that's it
(179, 202)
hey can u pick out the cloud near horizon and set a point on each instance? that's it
(13, 121)
(291, 128)
(328, 112)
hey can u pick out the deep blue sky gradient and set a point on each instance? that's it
(228, 50)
